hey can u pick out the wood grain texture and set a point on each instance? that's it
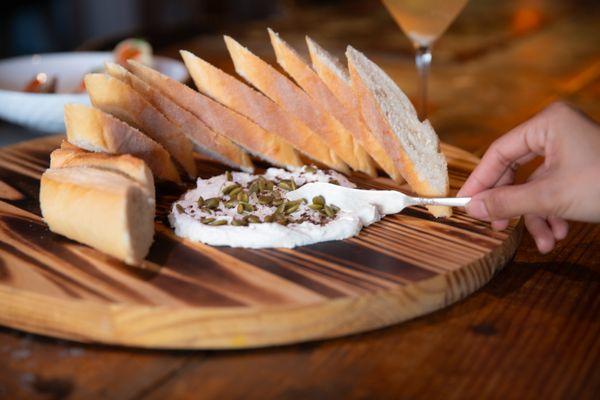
(189, 295)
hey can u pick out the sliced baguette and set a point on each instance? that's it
(336, 77)
(307, 79)
(221, 119)
(100, 208)
(240, 97)
(130, 166)
(94, 130)
(392, 119)
(205, 140)
(121, 100)
(292, 99)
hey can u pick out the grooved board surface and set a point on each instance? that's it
(190, 295)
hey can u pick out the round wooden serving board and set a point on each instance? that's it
(190, 295)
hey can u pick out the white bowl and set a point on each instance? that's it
(44, 111)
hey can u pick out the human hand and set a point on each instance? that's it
(565, 186)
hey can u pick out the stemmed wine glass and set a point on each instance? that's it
(424, 21)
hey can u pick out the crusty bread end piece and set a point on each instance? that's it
(124, 102)
(102, 209)
(249, 102)
(205, 140)
(130, 166)
(302, 73)
(222, 120)
(94, 130)
(336, 77)
(391, 117)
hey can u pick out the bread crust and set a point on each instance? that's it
(94, 130)
(302, 73)
(292, 99)
(384, 133)
(241, 98)
(100, 208)
(130, 166)
(205, 140)
(121, 100)
(221, 119)
(336, 77)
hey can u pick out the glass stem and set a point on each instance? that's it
(423, 61)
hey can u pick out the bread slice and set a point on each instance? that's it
(125, 164)
(294, 100)
(392, 119)
(121, 100)
(100, 208)
(205, 140)
(307, 79)
(221, 119)
(336, 77)
(94, 130)
(240, 97)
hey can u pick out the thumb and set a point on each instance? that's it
(511, 201)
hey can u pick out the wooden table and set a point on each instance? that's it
(532, 332)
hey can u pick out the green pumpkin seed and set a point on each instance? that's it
(239, 222)
(230, 204)
(318, 200)
(229, 188)
(207, 220)
(285, 185)
(229, 176)
(200, 201)
(253, 187)
(270, 218)
(265, 200)
(278, 202)
(233, 192)
(242, 196)
(253, 219)
(280, 209)
(212, 203)
(328, 211)
(262, 185)
(310, 169)
(292, 209)
(270, 185)
(283, 221)
(180, 208)
(240, 208)
(218, 222)
(315, 207)
(248, 207)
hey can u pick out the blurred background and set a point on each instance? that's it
(498, 63)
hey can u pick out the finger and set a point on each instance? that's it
(500, 225)
(559, 226)
(519, 146)
(512, 201)
(541, 233)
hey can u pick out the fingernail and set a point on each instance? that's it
(477, 209)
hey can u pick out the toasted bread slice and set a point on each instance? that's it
(221, 119)
(391, 117)
(130, 166)
(307, 79)
(121, 100)
(336, 77)
(240, 97)
(205, 140)
(294, 100)
(100, 208)
(94, 130)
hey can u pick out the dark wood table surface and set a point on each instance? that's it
(532, 332)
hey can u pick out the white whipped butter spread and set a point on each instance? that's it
(277, 215)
